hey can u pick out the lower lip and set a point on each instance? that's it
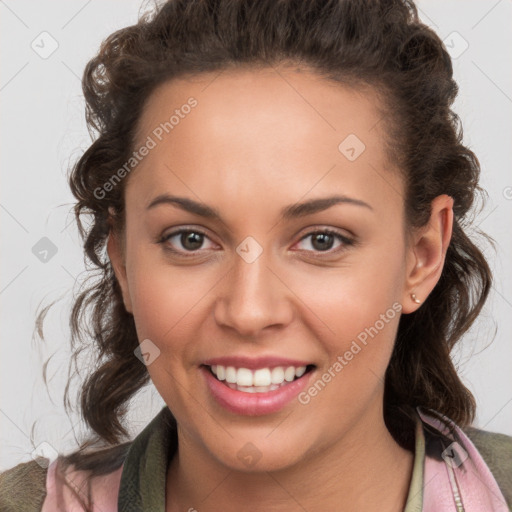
(254, 404)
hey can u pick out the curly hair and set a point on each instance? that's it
(380, 44)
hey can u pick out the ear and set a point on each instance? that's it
(116, 255)
(426, 253)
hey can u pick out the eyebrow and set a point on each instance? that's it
(288, 212)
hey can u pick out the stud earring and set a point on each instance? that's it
(415, 299)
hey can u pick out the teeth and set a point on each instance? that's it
(299, 372)
(244, 377)
(257, 381)
(277, 375)
(261, 377)
(255, 389)
(289, 374)
(230, 375)
(220, 371)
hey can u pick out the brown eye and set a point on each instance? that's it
(191, 240)
(322, 241)
(325, 240)
(184, 241)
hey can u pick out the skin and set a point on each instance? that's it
(257, 141)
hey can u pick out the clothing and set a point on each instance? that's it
(447, 476)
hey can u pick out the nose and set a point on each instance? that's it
(252, 298)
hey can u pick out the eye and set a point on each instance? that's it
(191, 240)
(323, 240)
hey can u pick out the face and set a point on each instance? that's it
(252, 280)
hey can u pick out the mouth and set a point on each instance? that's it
(255, 391)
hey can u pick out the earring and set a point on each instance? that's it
(415, 299)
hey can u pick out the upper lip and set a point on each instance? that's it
(255, 362)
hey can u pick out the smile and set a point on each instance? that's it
(261, 380)
(256, 391)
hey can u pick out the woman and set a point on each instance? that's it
(278, 192)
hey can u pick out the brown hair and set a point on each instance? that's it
(378, 43)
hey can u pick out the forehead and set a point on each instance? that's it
(266, 129)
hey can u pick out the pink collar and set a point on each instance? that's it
(461, 480)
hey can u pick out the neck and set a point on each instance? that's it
(365, 470)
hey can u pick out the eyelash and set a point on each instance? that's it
(346, 242)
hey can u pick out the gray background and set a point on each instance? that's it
(43, 132)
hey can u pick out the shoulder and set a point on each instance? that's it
(496, 447)
(44, 486)
(496, 450)
(79, 490)
(23, 487)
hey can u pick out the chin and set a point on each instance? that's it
(260, 452)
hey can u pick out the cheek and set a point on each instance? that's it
(163, 301)
(362, 317)
(359, 306)
(353, 296)
(159, 292)
(167, 309)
